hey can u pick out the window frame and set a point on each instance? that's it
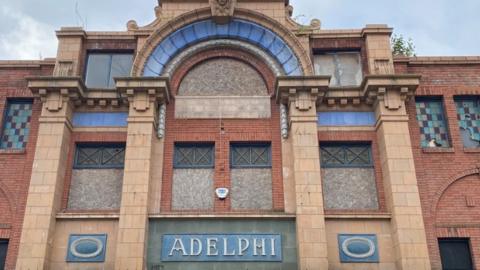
(358, 51)
(440, 99)
(251, 145)
(4, 116)
(177, 145)
(5, 242)
(344, 146)
(97, 145)
(464, 240)
(462, 98)
(105, 52)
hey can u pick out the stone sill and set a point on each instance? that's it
(88, 215)
(224, 216)
(13, 151)
(471, 150)
(359, 216)
(438, 150)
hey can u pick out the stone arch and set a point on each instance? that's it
(453, 179)
(264, 71)
(264, 32)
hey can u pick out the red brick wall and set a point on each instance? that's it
(16, 166)
(447, 176)
(251, 130)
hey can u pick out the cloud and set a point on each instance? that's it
(438, 27)
(24, 37)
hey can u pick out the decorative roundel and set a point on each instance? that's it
(86, 247)
(358, 247)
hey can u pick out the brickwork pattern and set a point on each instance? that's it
(16, 166)
(222, 133)
(437, 169)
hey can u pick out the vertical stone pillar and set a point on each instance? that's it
(379, 53)
(133, 223)
(49, 167)
(69, 60)
(399, 178)
(301, 95)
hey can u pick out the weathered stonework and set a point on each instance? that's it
(251, 189)
(222, 107)
(222, 77)
(95, 189)
(193, 189)
(349, 188)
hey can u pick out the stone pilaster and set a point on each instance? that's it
(399, 177)
(301, 95)
(144, 95)
(70, 51)
(49, 167)
(379, 53)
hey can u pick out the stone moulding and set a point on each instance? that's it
(55, 91)
(287, 87)
(162, 32)
(141, 92)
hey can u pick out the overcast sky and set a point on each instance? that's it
(438, 27)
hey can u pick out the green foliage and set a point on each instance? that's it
(402, 46)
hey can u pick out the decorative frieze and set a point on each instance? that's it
(222, 10)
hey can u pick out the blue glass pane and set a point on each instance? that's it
(346, 118)
(432, 124)
(16, 125)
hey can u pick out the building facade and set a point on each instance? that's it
(224, 135)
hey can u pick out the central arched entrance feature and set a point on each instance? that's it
(238, 29)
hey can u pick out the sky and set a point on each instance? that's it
(437, 27)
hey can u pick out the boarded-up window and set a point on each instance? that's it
(97, 177)
(348, 176)
(344, 67)
(193, 176)
(251, 176)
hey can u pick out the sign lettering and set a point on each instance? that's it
(222, 247)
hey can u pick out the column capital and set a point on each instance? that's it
(143, 92)
(390, 91)
(304, 91)
(56, 92)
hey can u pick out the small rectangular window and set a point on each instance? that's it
(468, 115)
(344, 67)
(455, 254)
(432, 122)
(194, 156)
(3, 252)
(251, 155)
(346, 119)
(16, 124)
(346, 155)
(99, 156)
(103, 67)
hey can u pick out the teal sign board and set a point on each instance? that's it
(221, 248)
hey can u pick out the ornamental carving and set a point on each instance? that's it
(222, 10)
